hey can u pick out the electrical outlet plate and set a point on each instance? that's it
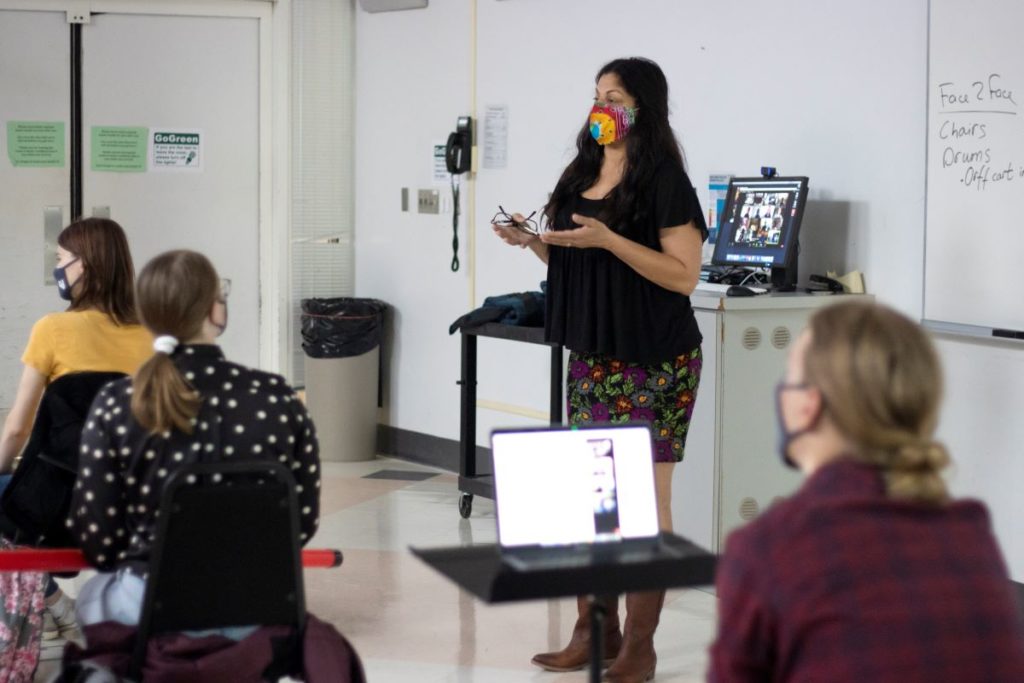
(429, 201)
(80, 12)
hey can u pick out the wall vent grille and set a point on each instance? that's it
(751, 338)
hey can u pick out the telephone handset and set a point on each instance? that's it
(458, 157)
(458, 150)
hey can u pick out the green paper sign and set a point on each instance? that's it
(119, 149)
(35, 143)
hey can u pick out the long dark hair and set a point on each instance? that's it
(651, 142)
(176, 292)
(108, 275)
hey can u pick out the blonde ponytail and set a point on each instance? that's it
(161, 398)
(913, 472)
(175, 293)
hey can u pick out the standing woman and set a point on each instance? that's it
(623, 251)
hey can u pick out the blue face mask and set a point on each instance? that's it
(785, 437)
(60, 275)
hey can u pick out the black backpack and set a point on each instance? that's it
(35, 505)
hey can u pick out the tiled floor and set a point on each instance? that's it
(409, 623)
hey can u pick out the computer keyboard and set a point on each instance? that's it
(720, 288)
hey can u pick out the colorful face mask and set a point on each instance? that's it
(611, 122)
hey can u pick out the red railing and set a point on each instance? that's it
(71, 559)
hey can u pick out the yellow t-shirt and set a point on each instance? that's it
(80, 341)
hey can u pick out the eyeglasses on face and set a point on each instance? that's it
(529, 225)
(225, 289)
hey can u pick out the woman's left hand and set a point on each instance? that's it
(592, 233)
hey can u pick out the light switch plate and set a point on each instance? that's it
(429, 201)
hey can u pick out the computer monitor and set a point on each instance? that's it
(760, 226)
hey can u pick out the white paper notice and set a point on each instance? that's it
(440, 175)
(496, 136)
(176, 149)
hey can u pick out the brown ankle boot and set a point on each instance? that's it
(636, 660)
(576, 654)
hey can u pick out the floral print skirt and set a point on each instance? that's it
(604, 390)
(21, 622)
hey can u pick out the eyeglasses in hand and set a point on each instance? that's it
(529, 225)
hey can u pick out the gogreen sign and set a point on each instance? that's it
(175, 139)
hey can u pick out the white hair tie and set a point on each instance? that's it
(165, 344)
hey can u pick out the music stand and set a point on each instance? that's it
(479, 569)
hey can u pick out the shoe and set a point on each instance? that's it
(576, 655)
(637, 660)
(59, 620)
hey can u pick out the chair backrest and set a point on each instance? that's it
(226, 551)
(36, 502)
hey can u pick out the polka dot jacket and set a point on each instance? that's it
(122, 467)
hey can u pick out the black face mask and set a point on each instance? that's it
(786, 438)
(60, 274)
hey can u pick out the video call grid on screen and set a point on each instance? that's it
(573, 486)
(760, 221)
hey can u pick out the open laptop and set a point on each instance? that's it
(574, 496)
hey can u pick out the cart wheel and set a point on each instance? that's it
(466, 505)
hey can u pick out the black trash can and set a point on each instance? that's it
(341, 338)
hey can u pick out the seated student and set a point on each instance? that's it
(186, 404)
(870, 572)
(99, 331)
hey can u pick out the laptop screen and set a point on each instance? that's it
(564, 486)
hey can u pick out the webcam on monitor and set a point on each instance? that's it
(760, 225)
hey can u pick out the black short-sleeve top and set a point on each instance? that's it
(598, 304)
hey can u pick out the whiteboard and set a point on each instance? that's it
(975, 174)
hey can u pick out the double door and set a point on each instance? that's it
(139, 73)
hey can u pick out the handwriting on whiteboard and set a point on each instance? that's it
(975, 123)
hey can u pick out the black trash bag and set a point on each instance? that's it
(341, 327)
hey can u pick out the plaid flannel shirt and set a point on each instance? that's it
(840, 583)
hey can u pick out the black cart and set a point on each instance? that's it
(470, 483)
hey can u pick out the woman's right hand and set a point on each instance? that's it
(513, 235)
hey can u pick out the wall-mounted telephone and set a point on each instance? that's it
(459, 150)
(458, 157)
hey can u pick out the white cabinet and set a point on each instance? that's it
(731, 470)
